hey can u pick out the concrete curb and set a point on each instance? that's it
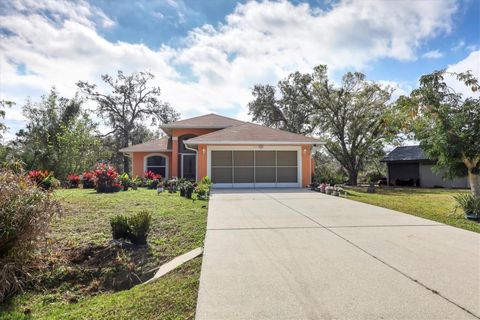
(175, 262)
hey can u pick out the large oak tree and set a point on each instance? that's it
(354, 118)
(132, 100)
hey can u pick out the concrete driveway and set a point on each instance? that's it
(298, 254)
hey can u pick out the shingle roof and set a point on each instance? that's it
(406, 153)
(248, 133)
(206, 121)
(162, 144)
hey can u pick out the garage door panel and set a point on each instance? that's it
(222, 175)
(287, 174)
(243, 175)
(264, 174)
(265, 158)
(243, 158)
(287, 158)
(222, 158)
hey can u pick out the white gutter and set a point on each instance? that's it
(196, 160)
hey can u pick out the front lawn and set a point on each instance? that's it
(433, 204)
(82, 275)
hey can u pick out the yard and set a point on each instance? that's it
(433, 204)
(82, 275)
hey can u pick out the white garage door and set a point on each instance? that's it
(253, 168)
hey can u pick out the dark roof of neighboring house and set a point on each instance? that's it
(248, 133)
(406, 153)
(160, 145)
(207, 121)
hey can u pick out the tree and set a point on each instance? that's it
(59, 136)
(447, 124)
(354, 119)
(130, 103)
(3, 105)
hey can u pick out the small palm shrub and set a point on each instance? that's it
(469, 203)
(25, 214)
(139, 227)
(134, 228)
(120, 228)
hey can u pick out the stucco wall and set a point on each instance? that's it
(429, 179)
(138, 164)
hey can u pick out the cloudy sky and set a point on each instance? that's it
(207, 55)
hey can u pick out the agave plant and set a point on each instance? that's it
(470, 205)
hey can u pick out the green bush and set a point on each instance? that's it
(25, 214)
(469, 203)
(139, 225)
(134, 228)
(120, 228)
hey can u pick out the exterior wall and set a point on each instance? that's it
(429, 179)
(138, 162)
(202, 155)
(306, 165)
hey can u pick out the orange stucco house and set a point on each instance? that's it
(233, 153)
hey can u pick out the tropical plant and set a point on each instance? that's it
(447, 124)
(73, 180)
(106, 179)
(469, 203)
(43, 179)
(125, 181)
(88, 179)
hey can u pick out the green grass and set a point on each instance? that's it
(178, 226)
(433, 204)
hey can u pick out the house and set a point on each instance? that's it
(231, 152)
(409, 166)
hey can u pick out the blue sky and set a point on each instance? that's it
(207, 55)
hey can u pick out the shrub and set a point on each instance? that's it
(469, 203)
(150, 175)
(207, 181)
(88, 180)
(25, 214)
(73, 180)
(139, 225)
(120, 228)
(106, 179)
(43, 179)
(134, 228)
(125, 181)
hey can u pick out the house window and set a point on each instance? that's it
(157, 164)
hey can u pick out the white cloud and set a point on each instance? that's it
(472, 63)
(433, 54)
(59, 43)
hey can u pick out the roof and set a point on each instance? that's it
(248, 133)
(162, 144)
(406, 153)
(207, 121)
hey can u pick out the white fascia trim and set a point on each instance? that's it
(196, 127)
(144, 150)
(253, 142)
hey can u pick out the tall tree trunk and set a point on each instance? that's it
(474, 182)
(126, 160)
(352, 177)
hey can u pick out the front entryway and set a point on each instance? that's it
(188, 166)
(255, 168)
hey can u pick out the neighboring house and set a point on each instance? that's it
(232, 153)
(409, 166)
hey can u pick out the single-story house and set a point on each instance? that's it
(409, 166)
(231, 152)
